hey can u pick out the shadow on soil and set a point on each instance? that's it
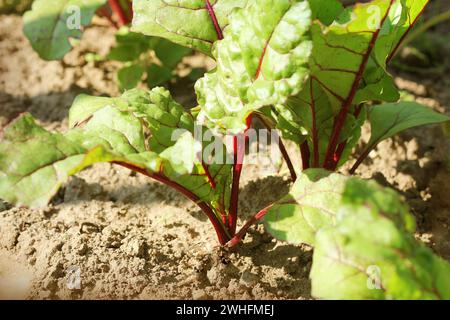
(47, 108)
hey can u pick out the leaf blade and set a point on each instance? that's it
(145, 131)
(187, 23)
(50, 24)
(389, 119)
(372, 252)
(310, 205)
(259, 67)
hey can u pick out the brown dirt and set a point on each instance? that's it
(132, 238)
(14, 6)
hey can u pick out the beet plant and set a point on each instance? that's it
(314, 70)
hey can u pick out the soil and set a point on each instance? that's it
(133, 238)
(14, 6)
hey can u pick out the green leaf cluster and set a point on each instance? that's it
(146, 131)
(313, 67)
(145, 58)
(362, 233)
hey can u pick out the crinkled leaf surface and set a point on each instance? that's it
(388, 119)
(371, 252)
(145, 130)
(186, 22)
(262, 61)
(51, 23)
(162, 123)
(29, 173)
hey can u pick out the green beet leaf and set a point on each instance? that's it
(348, 68)
(130, 45)
(262, 61)
(130, 76)
(126, 52)
(311, 205)
(387, 120)
(169, 53)
(403, 16)
(342, 51)
(312, 114)
(158, 75)
(326, 11)
(51, 23)
(187, 22)
(28, 179)
(149, 58)
(371, 253)
(146, 131)
(314, 201)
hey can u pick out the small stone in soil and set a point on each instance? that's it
(134, 247)
(88, 227)
(248, 278)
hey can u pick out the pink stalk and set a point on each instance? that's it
(214, 19)
(241, 234)
(289, 164)
(363, 156)
(239, 143)
(211, 181)
(341, 148)
(221, 231)
(130, 10)
(104, 12)
(119, 11)
(361, 159)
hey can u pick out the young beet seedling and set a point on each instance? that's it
(311, 73)
(52, 25)
(145, 58)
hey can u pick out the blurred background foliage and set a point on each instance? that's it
(423, 54)
(14, 6)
